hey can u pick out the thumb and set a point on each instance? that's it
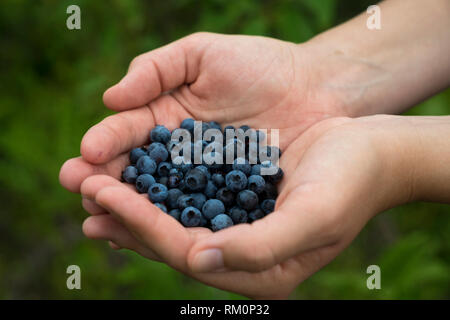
(301, 223)
(157, 71)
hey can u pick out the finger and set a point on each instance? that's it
(116, 134)
(75, 171)
(121, 132)
(105, 227)
(158, 71)
(157, 230)
(92, 208)
(298, 225)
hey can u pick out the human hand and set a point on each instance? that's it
(338, 174)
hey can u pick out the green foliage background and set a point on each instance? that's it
(52, 80)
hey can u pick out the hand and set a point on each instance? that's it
(337, 176)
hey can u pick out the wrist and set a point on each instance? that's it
(414, 153)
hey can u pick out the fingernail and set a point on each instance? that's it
(208, 260)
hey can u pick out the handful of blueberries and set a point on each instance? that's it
(204, 176)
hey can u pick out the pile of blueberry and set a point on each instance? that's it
(203, 193)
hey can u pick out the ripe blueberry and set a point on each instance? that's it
(157, 192)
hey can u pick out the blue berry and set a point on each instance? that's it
(157, 192)
(130, 174)
(238, 215)
(255, 214)
(146, 165)
(270, 191)
(268, 205)
(256, 170)
(161, 206)
(173, 181)
(199, 200)
(188, 124)
(163, 180)
(160, 134)
(136, 153)
(247, 199)
(210, 189)
(256, 184)
(244, 127)
(191, 217)
(205, 171)
(176, 172)
(195, 180)
(276, 177)
(236, 180)
(242, 165)
(185, 201)
(212, 208)
(158, 152)
(226, 196)
(175, 213)
(172, 198)
(164, 169)
(215, 125)
(218, 179)
(220, 222)
(143, 182)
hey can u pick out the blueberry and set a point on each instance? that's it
(146, 165)
(247, 199)
(157, 192)
(199, 200)
(195, 180)
(268, 206)
(175, 213)
(136, 153)
(158, 152)
(191, 217)
(256, 170)
(242, 165)
(226, 196)
(185, 167)
(160, 134)
(210, 189)
(176, 172)
(164, 169)
(130, 174)
(143, 182)
(205, 171)
(256, 183)
(173, 181)
(218, 179)
(215, 125)
(244, 128)
(185, 201)
(276, 177)
(172, 198)
(255, 214)
(163, 180)
(238, 215)
(236, 180)
(212, 208)
(161, 206)
(270, 191)
(205, 126)
(188, 124)
(220, 222)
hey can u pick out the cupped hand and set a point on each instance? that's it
(258, 81)
(336, 178)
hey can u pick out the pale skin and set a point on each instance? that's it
(340, 171)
